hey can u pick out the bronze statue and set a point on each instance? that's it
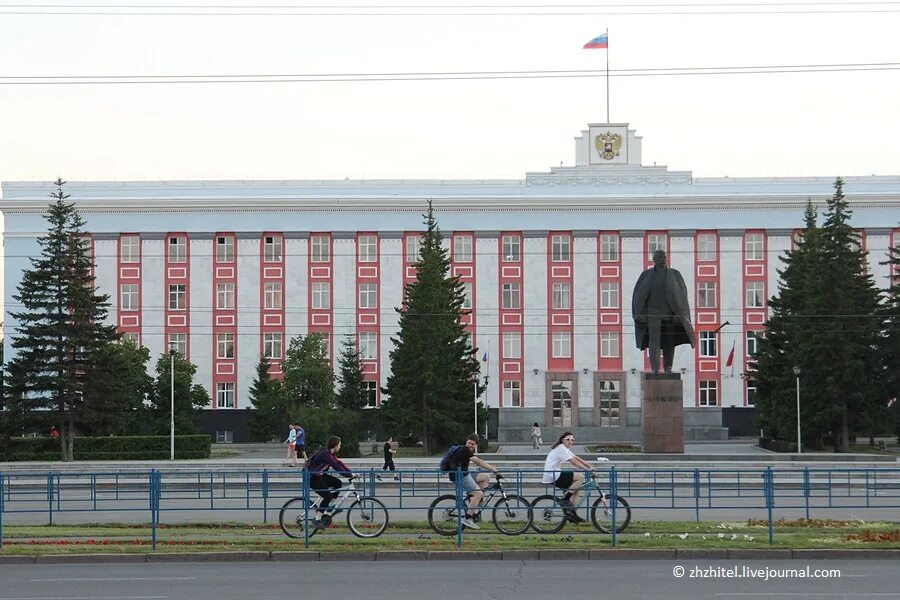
(662, 317)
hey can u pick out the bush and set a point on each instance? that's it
(107, 448)
(321, 423)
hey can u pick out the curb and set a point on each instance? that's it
(458, 555)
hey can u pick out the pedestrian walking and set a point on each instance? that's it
(388, 459)
(536, 438)
(299, 442)
(291, 459)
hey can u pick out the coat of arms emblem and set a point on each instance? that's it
(608, 144)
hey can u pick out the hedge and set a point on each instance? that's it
(106, 448)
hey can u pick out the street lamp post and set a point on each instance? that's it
(172, 401)
(799, 443)
(486, 378)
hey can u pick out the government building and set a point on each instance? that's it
(226, 271)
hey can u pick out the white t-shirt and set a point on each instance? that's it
(558, 455)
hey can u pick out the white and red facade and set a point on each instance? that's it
(549, 264)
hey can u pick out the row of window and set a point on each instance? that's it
(754, 294)
(463, 248)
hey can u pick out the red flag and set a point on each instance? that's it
(730, 360)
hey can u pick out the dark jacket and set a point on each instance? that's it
(676, 299)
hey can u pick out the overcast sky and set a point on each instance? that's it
(827, 123)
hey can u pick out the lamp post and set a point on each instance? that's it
(797, 375)
(172, 401)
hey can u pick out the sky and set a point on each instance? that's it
(783, 124)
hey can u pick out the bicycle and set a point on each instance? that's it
(367, 517)
(511, 513)
(549, 514)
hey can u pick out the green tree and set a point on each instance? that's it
(433, 366)
(189, 397)
(270, 418)
(308, 376)
(60, 333)
(351, 393)
(891, 344)
(117, 389)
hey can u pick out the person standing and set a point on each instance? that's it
(299, 442)
(388, 459)
(291, 459)
(536, 438)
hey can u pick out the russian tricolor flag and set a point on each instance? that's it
(601, 41)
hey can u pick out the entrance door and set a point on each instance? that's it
(562, 403)
(609, 398)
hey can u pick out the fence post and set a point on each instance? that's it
(306, 502)
(770, 497)
(614, 493)
(50, 496)
(460, 506)
(806, 489)
(2, 500)
(153, 501)
(697, 494)
(265, 494)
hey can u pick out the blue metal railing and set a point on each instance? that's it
(698, 490)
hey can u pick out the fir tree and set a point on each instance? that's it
(351, 393)
(890, 350)
(271, 416)
(60, 331)
(116, 390)
(433, 366)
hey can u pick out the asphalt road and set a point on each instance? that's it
(498, 580)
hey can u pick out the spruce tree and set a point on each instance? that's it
(433, 366)
(271, 416)
(351, 393)
(890, 350)
(60, 331)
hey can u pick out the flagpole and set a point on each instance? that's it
(607, 75)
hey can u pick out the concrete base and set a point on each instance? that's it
(662, 413)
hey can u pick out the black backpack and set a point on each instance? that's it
(446, 464)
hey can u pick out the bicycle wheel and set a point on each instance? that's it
(292, 517)
(367, 517)
(512, 515)
(443, 515)
(547, 514)
(601, 514)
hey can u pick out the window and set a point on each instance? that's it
(512, 393)
(753, 246)
(370, 389)
(368, 295)
(609, 344)
(655, 241)
(512, 248)
(272, 294)
(512, 344)
(272, 345)
(413, 247)
(368, 346)
(609, 294)
(224, 248)
(511, 295)
(754, 296)
(367, 248)
(272, 249)
(225, 437)
(321, 248)
(131, 248)
(467, 291)
(177, 296)
(709, 393)
(561, 296)
(129, 296)
(178, 341)
(224, 296)
(177, 249)
(321, 295)
(131, 336)
(225, 345)
(751, 392)
(609, 248)
(462, 248)
(561, 248)
(752, 341)
(709, 344)
(562, 344)
(706, 247)
(706, 294)
(225, 395)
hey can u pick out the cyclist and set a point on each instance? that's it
(459, 459)
(568, 480)
(319, 480)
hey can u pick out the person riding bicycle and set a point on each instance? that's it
(319, 480)
(459, 459)
(568, 480)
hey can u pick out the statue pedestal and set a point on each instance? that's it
(662, 413)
